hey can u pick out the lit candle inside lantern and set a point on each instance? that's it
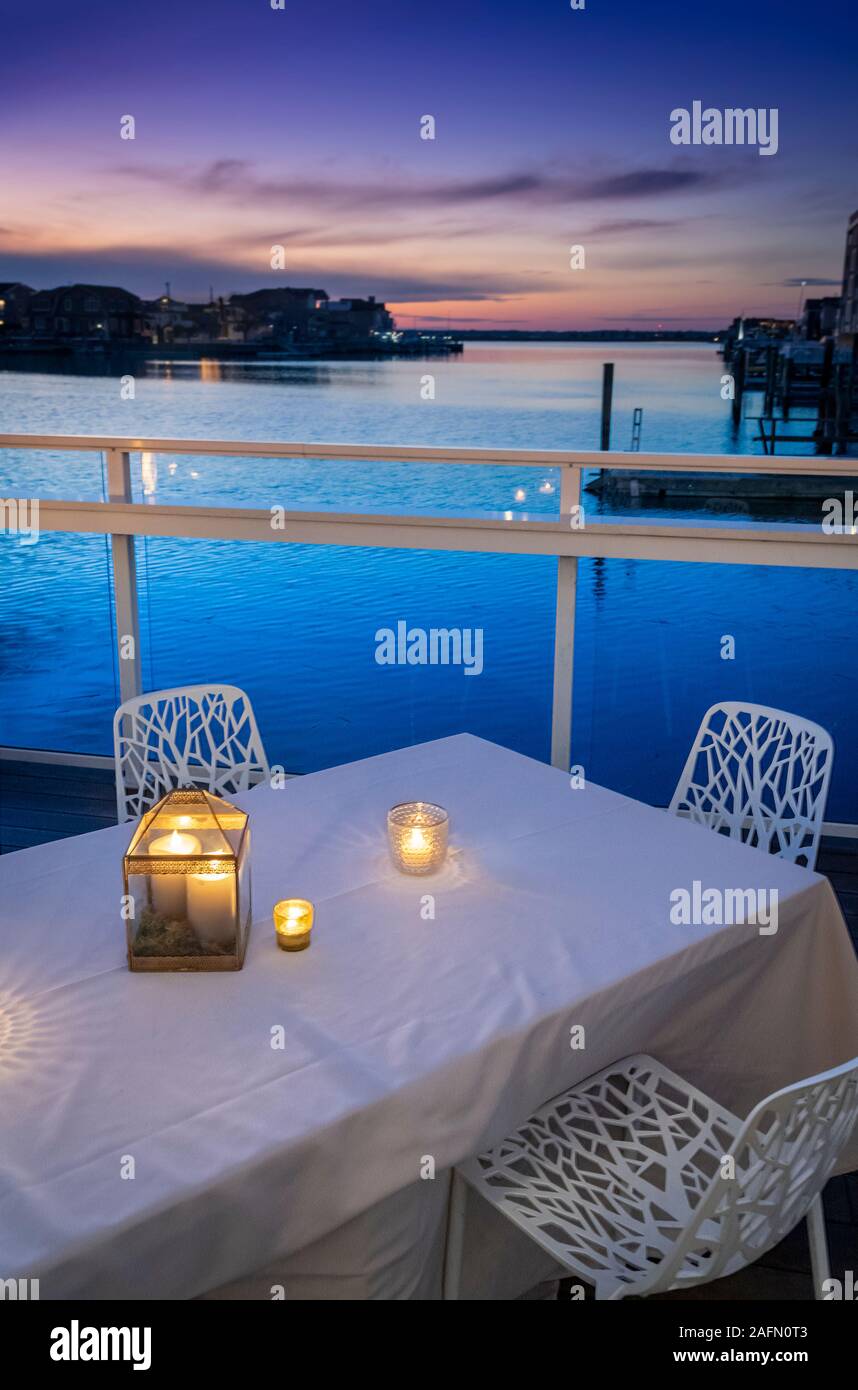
(200, 827)
(293, 923)
(211, 906)
(169, 894)
(417, 832)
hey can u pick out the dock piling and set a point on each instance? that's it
(738, 385)
(607, 397)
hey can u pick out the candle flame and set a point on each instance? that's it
(293, 918)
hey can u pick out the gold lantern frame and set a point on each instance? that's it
(190, 812)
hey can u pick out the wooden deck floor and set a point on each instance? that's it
(41, 802)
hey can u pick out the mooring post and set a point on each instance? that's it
(738, 385)
(771, 363)
(845, 375)
(786, 387)
(841, 409)
(607, 397)
(825, 410)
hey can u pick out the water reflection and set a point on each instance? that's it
(149, 473)
(294, 624)
(212, 370)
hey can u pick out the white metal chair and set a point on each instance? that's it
(193, 735)
(759, 775)
(624, 1178)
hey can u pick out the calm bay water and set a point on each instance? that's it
(295, 625)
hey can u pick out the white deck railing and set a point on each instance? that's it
(803, 546)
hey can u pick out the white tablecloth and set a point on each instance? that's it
(406, 1038)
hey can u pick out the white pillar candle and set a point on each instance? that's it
(211, 906)
(200, 827)
(169, 895)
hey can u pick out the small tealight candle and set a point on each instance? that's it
(293, 923)
(169, 891)
(417, 832)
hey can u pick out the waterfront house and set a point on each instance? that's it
(283, 313)
(14, 306)
(351, 320)
(86, 311)
(167, 320)
(762, 330)
(819, 318)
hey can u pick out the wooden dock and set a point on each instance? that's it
(792, 376)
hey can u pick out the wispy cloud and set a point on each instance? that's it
(652, 183)
(624, 226)
(236, 180)
(796, 281)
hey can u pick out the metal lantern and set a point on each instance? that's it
(187, 885)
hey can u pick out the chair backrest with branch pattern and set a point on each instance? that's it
(194, 735)
(782, 1157)
(759, 775)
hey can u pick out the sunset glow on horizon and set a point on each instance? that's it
(257, 127)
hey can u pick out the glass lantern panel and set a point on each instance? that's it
(230, 820)
(184, 915)
(190, 823)
(244, 899)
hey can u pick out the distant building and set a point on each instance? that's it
(848, 324)
(86, 311)
(351, 320)
(819, 318)
(14, 306)
(226, 321)
(281, 317)
(168, 320)
(760, 330)
(283, 314)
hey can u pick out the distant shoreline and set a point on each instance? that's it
(221, 351)
(431, 343)
(584, 335)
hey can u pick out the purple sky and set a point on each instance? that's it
(258, 127)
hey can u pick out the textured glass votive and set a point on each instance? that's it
(417, 832)
(293, 923)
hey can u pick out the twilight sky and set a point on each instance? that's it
(300, 127)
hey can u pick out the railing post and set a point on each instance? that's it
(124, 581)
(564, 627)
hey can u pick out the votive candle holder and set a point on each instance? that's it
(293, 923)
(417, 833)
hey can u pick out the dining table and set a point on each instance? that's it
(288, 1130)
